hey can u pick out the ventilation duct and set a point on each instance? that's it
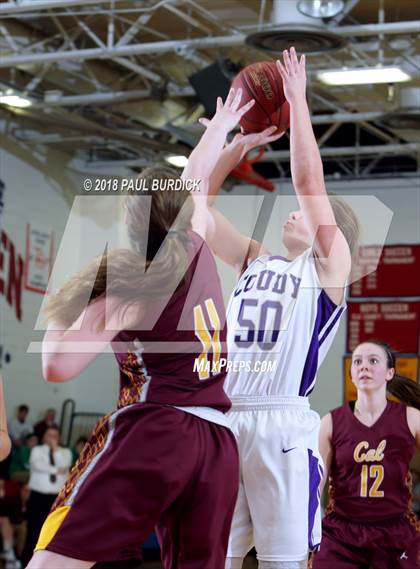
(321, 8)
(291, 27)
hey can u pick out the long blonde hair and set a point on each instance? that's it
(346, 221)
(121, 272)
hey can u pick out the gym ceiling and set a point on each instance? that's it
(109, 81)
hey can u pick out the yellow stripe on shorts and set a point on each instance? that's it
(51, 526)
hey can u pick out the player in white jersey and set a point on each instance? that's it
(279, 314)
(284, 312)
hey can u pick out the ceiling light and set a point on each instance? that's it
(178, 161)
(320, 8)
(15, 101)
(363, 76)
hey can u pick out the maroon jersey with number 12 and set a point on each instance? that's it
(369, 471)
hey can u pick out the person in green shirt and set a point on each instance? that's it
(19, 467)
(77, 449)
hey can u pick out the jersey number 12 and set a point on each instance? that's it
(375, 471)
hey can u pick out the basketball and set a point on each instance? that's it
(261, 81)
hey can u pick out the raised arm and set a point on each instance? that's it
(66, 353)
(325, 447)
(232, 246)
(205, 156)
(225, 240)
(234, 152)
(229, 244)
(332, 252)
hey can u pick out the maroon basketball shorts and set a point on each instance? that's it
(348, 545)
(147, 466)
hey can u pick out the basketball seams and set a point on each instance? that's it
(279, 94)
(253, 92)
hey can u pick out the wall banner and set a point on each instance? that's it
(39, 257)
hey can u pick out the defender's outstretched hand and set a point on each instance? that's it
(249, 141)
(255, 139)
(293, 74)
(229, 113)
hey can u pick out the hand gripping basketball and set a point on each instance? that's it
(261, 81)
(256, 139)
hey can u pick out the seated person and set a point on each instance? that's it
(19, 467)
(10, 504)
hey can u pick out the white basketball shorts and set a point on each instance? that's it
(278, 507)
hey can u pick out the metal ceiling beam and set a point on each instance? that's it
(186, 18)
(272, 156)
(74, 123)
(329, 132)
(345, 117)
(378, 132)
(9, 39)
(133, 29)
(359, 30)
(135, 49)
(368, 169)
(33, 5)
(383, 149)
(91, 34)
(199, 43)
(139, 69)
(407, 26)
(362, 118)
(174, 92)
(111, 97)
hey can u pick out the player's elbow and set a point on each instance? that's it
(52, 372)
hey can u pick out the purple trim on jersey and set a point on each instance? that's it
(315, 475)
(324, 311)
(279, 258)
(333, 323)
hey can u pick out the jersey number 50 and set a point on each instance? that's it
(246, 338)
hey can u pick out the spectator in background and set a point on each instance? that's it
(19, 466)
(47, 422)
(78, 447)
(20, 426)
(49, 467)
(5, 443)
(6, 529)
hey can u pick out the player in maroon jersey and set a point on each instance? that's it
(165, 457)
(367, 448)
